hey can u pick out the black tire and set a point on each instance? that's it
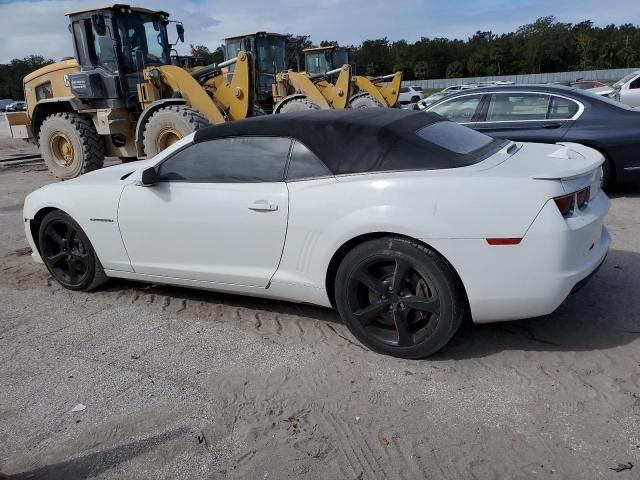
(70, 145)
(365, 101)
(415, 99)
(298, 105)
(399, 297)
(608, 177)
(257, 111)
(68, 254)
(168, 125)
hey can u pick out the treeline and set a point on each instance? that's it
(545, 45)
(12, 73)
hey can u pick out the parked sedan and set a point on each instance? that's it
(403, 221)
(551, 114)
(16, 107)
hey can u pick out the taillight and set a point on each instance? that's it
(582, 197)
(565, 204)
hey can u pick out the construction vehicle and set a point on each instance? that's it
(120, 96)
(279, 90)
(365, 92)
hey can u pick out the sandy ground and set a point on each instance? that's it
(180, 384)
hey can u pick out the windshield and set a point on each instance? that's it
(340, 57)
(271, 55)
(143, 39)
(624, 80)
(317, 63)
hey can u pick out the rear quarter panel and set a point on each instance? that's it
(326, 213)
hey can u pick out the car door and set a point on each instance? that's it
(527, 116)
(404, 94)
(461, 109)
(630, 93)
(217, 213)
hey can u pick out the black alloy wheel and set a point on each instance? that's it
(399, 297)
(68, 254)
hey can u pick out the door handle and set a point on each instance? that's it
(551, 125)
(263, 206)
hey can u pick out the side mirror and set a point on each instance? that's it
(99, 25)
(180, 31)
(149, 177)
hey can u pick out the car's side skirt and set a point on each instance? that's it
(275, 290)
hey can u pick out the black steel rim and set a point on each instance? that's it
(65, 253)
(393, 302)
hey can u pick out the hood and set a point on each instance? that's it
(108, 174)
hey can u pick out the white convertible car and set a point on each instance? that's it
(401, 220)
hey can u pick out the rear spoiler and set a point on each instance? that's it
(574, 160)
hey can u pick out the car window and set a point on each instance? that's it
(404, 89)
(562, 108)
(454, 137)
(513, 107)
(305, 164)
(229, 160)
(635, 83)
(624, 79)
(459, 109)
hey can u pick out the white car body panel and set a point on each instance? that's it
(205, 236)
(209, 228)
(405, 97)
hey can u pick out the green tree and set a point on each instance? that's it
(12, 75)
(209, 57)
(455, 69)
(421, 70)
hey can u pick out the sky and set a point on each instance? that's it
(40, 27)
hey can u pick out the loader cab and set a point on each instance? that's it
(324, 59)
(113, 45)
(269, 56)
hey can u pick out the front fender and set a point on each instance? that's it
(94, 207)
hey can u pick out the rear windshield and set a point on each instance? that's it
(454, 137)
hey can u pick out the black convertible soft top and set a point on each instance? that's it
(367, 140)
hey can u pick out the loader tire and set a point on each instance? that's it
(365, 101)
(298, 105)
(169, 125)
(257, 111)
(70, 145)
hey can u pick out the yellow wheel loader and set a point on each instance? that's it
(365, 92)
(121, 96)
(279, 90)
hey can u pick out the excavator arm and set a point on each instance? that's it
(216, 98)
(385, 93)
(337, 96)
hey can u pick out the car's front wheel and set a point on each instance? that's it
(68, 254)
(399, 297)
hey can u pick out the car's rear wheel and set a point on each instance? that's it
(608, 180)
(68, 254)
(415, 99)
(399, 297)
